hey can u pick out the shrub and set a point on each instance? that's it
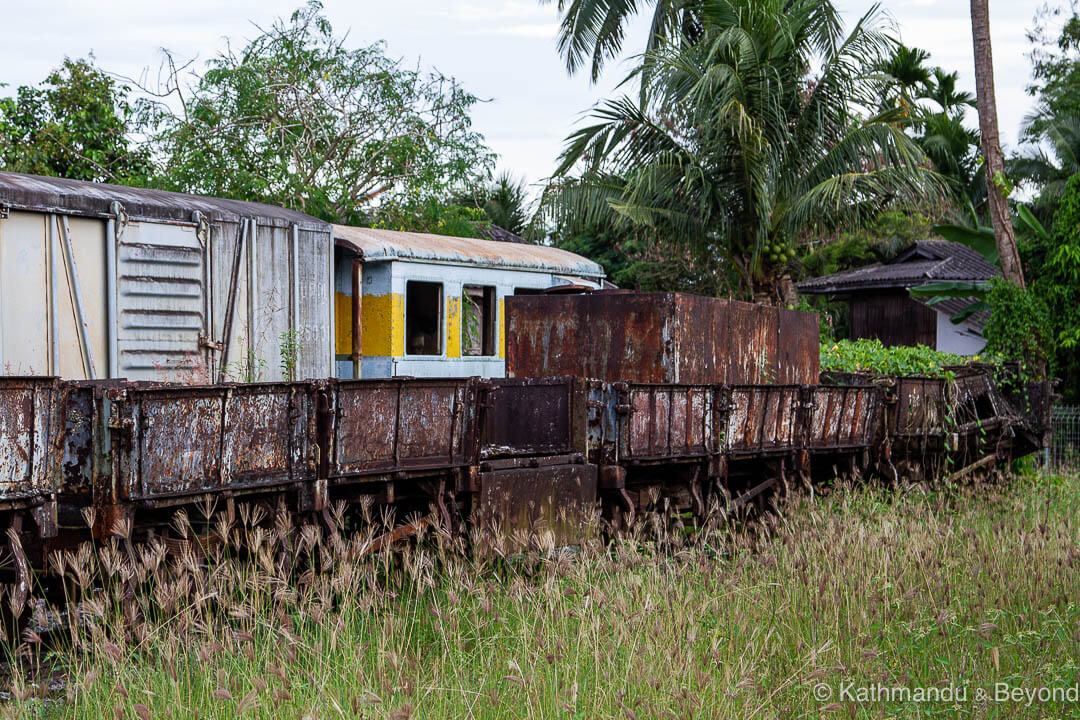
(867, 355)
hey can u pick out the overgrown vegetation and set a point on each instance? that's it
(870, 356)
(956, 585)
(733, 145)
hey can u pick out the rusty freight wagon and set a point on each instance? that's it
(103, 281)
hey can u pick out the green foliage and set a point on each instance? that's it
(938, 125)
(430, 214)
(1055, 67)
(1019, 327)
(504, 202)
(1047, 163)
(879, 240)
(872, 356)
(733, 145)
(298, 119)
(638, 261)
(592, 31)
(289, 353)
(75, 125)
(1053, 264)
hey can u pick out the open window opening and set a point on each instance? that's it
(477, 320)
(423, 318)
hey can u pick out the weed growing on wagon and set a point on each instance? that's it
(967, 587)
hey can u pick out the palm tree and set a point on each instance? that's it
(942, 90)
(906, 68)
(504, 201)
(593, 30)
(988, 127)
(1048, 164)
(737, 149)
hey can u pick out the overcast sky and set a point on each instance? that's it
(501, 50)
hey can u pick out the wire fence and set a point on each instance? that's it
(1064, 450)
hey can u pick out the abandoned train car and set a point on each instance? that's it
(434, 306)
(103, 281)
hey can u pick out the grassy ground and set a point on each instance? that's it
(958, 590)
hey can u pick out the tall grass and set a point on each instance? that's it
(963, 586)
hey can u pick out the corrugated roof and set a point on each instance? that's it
(951, 306)
(490, 231)
(379, 244)
(925, 262)
(81, 197)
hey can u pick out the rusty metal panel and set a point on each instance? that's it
(658, 338)
(171, 440)
(30, 428)
(763, 419)
(918, 407)
(798, 351)
(663, 422)
(518, 503)
(601, 335)
(842, 417)
(399, 424)
(534, 416)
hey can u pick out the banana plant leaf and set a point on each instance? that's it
(952, 289)
(1032, 223)
(981, 239)
(961, 316)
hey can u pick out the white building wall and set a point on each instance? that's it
(957, 339)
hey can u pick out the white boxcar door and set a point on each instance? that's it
(160, 302)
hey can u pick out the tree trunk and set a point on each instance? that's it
(991, 143)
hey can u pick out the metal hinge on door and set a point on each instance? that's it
(208, 342)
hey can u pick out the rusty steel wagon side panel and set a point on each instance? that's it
(662, 422)
(761, 419)
(918, 408)
(517, 505)
(622, 336)
(30, 429)
(798, 351)
(841, 417)
(402, 424)
(541, 416)
(172, 441)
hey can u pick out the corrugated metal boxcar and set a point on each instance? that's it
(102, 281)
(660, 338)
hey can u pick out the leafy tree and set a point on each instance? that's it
(736, 149)
(1053, 262)
(1055, 69)
(74, 125)
(298, 119)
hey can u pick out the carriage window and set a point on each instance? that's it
(477, 320)
(423, 318)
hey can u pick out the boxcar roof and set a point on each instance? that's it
(375, 245)
(81, 197)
